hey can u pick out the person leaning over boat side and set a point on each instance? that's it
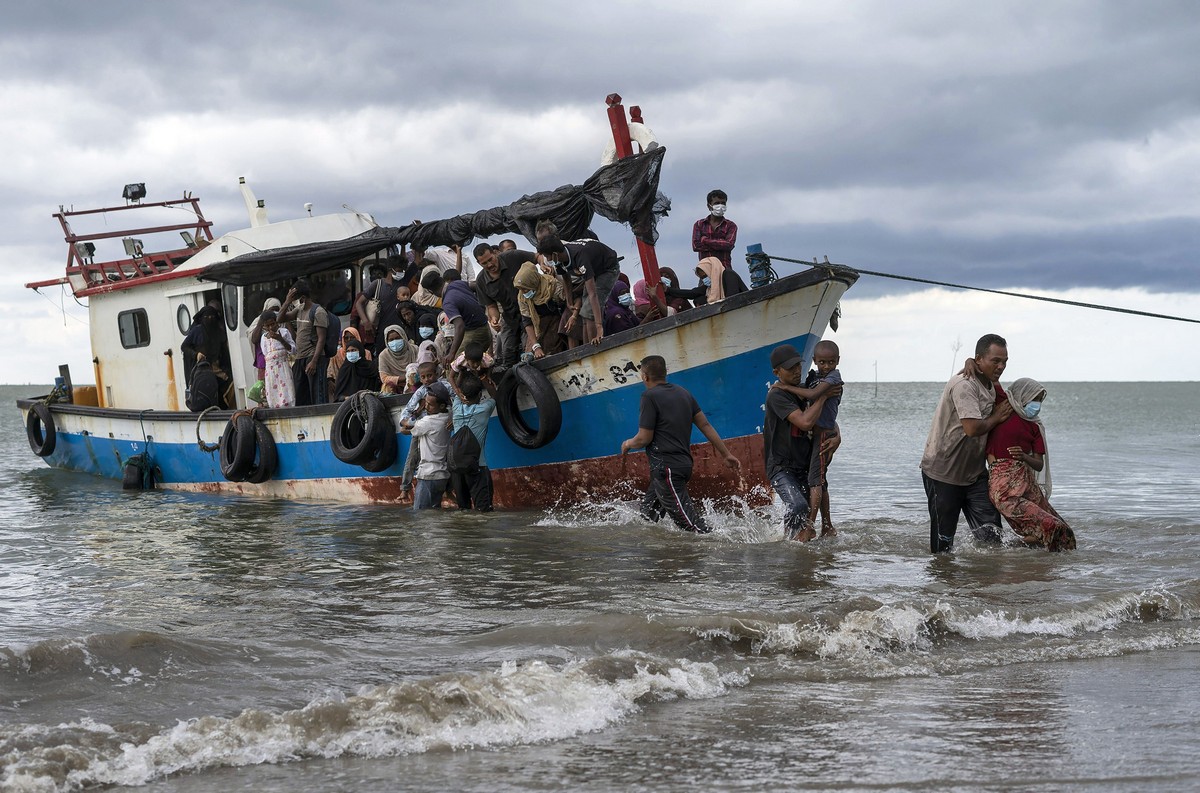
(540, 299)
(496, 291)
(312, 323)
(1016, 448)
(791, 413)
(715, 235)
(589, 269)
(954, 465)
(276, 345)
(466, 316)
(665, 421)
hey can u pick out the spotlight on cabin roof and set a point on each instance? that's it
(134, 192)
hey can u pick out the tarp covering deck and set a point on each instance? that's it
(624, 192)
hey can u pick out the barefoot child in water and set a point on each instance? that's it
(826, 357)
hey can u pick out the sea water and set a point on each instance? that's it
(202, 643)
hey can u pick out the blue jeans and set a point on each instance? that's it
(429, 493)
(792, 487)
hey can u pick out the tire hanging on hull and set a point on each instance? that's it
(40, 430)
(247, 450)
(362, 433)
(545, 400)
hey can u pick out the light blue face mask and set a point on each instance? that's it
(529, 295)
(353, 356)
(666, 282)
(396, 345)
(625, 299)
(426, 332)
(706, 281)
(1032, 409)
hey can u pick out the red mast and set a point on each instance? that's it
(620, 130)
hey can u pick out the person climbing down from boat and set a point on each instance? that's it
(665, 419)
(358, 373)
(954, 464)
(472, 406)
(205, 341)
(1017, 456)
(791, 413)
(431, 433)
(427, 374)
(589, 269)
(618, 310)
(465, 315)
(825, 376)
(398, 354)
(312, 323)
(540, 301)
(715, 235)
(497, 292)
(717, 282)
(275, 345)
(254, 334)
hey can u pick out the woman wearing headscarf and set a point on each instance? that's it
(357, 373)
(1016, 449)
(540, 299)
(254, 332)
(717, 282)
(671, 284)
(647, 305)
(398, 352)
(335, 363)
(618, 311)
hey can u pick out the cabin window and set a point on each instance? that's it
(229, 300)
(183, 318)
(134, 327)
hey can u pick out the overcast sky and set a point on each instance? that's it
(1040, 146)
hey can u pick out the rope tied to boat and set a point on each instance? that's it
(205, 447)
(832, 269)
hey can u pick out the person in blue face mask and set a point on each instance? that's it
(1017, 459)
(618, 309)
(398, 354)
(357, 373)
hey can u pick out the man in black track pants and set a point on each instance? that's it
(665, 430)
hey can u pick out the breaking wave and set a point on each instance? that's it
(516, 704)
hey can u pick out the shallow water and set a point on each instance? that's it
(194, 643)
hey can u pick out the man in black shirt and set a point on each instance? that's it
(589, 268)
(494, 287)
(787, 443)
(665, 430)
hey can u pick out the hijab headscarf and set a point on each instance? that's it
(715, 270)
(423, 296)
(394, 364)
(548, 288)
(616, 316)
(677, 303)
(341, 353)
(270, 304)
(362, 375)
(1021, 393)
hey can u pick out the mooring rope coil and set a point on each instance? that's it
(992, 291)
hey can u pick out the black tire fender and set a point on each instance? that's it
(267, 459)
(366, 443)
(40, 430)
(549, 409)
(237, 448)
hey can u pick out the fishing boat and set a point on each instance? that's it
(561, 419)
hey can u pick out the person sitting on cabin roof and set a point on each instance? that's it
(715, 235)
(665, 422)
(312, 323)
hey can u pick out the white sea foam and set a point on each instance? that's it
(515, 704)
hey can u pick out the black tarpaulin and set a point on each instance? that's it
(624, 192)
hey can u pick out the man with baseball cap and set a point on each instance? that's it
(792, 412)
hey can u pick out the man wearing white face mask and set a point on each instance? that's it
(715, 235)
